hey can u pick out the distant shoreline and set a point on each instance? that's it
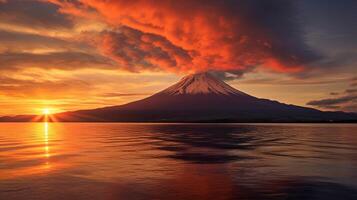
(193, 122)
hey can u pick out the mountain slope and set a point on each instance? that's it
(202, 97)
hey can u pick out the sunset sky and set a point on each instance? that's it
(77, 54)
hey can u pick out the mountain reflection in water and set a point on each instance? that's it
(177, 161)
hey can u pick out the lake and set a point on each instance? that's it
(108, 161)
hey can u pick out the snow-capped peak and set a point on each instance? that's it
(201, 83)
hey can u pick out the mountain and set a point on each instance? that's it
(200, 98)
(204, 98)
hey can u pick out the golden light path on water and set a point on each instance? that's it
(46, 145)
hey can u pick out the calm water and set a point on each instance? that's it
(68, 161)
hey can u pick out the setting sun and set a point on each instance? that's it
(46, 111)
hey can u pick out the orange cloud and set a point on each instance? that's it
(136, 51)
(198, 35)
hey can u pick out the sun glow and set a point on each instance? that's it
(47, 115)
(46, 111)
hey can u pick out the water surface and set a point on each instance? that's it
(177, 161)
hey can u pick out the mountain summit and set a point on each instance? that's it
(201, 98)
(202, 83)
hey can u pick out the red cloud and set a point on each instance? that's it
(135, 50)
(198, 35)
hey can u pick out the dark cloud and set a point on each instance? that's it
(354, 82)
(336, 60)
(55, 60)
(294, 81)
(332, 101)
(33, 14)
(227, 35)
(331, 107)
(351, 91)
(346, 101)
(333, 23)
(332, 28)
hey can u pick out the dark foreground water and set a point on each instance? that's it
(71, 161)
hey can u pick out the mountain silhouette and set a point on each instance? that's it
(203, 98)
(197, 98)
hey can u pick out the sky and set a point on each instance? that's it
(82, 54)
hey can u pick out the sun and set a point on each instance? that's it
(46, 111)
(48, 114)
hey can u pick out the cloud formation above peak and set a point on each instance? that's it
(186, 36)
